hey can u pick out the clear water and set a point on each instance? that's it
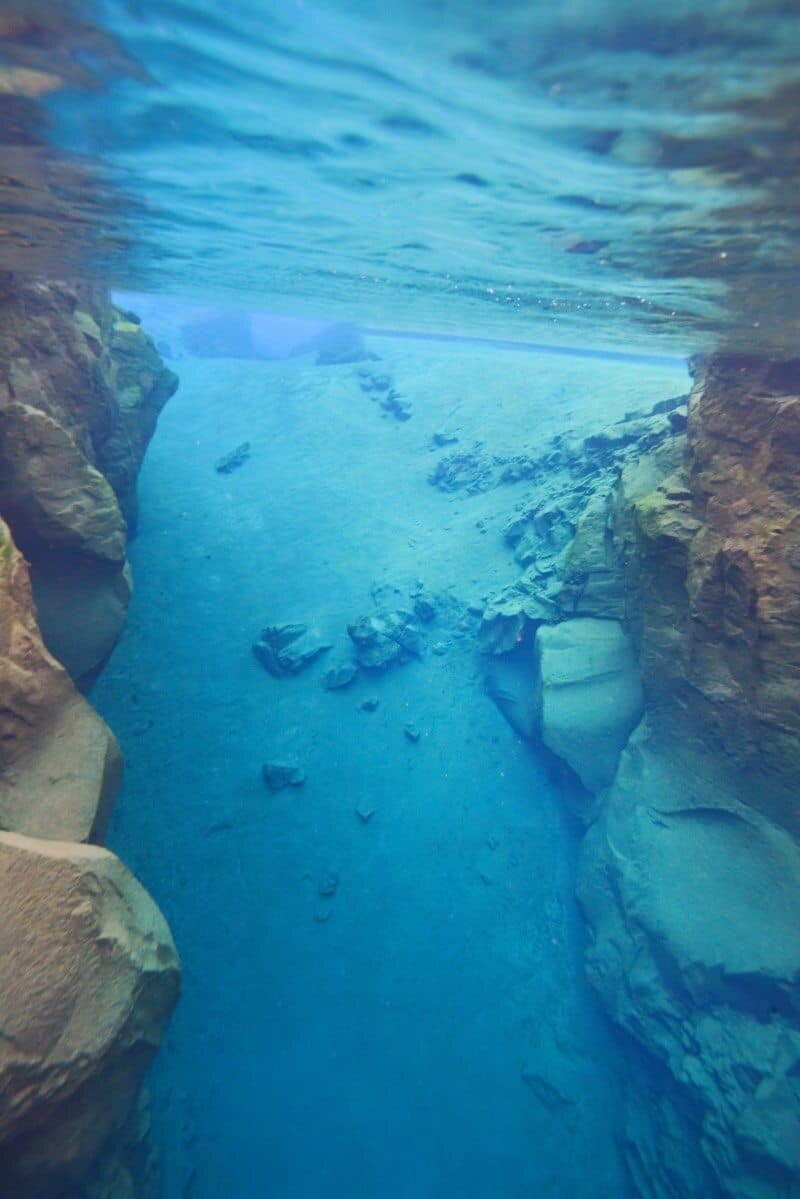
(587, 175)
(589, 172)
(428, 1032)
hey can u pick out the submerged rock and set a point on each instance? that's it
(511, 683)
(278, 775)
(385, 639)
(233, 460)
(81, 388)
(588, 696)
(516, 611)
(689, 878)
(88, 972)
(60, 766)
(424, 607)
(328, 884)
(381, 389)
(468, 470)
(592, 580)
(365, 811)
(83, 605)
(88, 978)
(338, 677)
(374, 385)
(693, 903)
(285, 649)
(442, 437)
(396, 405)
(50, 494)
(411, 733)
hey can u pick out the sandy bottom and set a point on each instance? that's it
(425, 1032)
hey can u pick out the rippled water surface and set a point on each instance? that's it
(587, 171)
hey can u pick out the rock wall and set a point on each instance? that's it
(690, 870)
(88, 969)
(81, 387)
(715, 567)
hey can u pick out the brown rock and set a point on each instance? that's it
(714, 580)
(81, 387)
(141, 385)
(88, 978)
(80, 607)
(50, 494)
(59, 764)
(690, 878)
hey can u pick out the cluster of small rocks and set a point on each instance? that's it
(559, 532)
(387, 637)
(381, 640)
(381, 389)
(476, 470)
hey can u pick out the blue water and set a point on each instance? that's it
(588, 173)
(427, 1032)
(536, 212)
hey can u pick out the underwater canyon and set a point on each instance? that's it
(455, 674)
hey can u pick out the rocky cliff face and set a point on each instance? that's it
(88, 970)
(690, 869)
(716, 568)
(81, 387)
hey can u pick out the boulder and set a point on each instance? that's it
(60, 765)
(340, 676)
(50, 494)
(278, 775)
(235, 458)
(81, 387)
(588, 695)
(284, 649)
(81, 607)
(693, 904)
(88, 978)
(385, 639)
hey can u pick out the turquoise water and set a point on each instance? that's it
(577, 173)
(425, 1032)
(534, 213)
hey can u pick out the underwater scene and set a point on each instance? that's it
(399, 599)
